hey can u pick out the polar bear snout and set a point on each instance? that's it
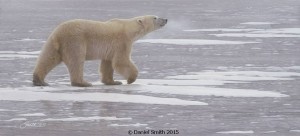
(162, 21)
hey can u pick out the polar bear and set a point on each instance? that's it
(75, 41)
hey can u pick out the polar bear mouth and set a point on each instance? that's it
(164, 22)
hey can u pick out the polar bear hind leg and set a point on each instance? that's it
(48, 59)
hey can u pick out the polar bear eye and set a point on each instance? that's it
(155, 18)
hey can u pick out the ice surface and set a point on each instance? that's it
(236, 132)
(17, 56)
(222, 30)
(262, 33)
(15, 119)
(93, 118)
(194, 90)
(128, 125)
(20, 54)
(267, 132)
(5, 110)
(11, 94)
(28, 40)
(251, 32)
(192, 41)
(176, 82)
(32, 114)
(241, 76)
(266, 35)
(279, 31)
(199, 91)
(259, 23)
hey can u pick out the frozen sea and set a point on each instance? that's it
(219, 68)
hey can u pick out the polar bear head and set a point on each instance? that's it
(137, 27)
(151, 22)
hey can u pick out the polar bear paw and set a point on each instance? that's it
(112, 83)
(83, 84)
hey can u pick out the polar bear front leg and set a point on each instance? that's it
(126, 68)
(107, 72)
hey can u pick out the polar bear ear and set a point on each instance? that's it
(140, 21)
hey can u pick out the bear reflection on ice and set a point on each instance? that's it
(75, 41)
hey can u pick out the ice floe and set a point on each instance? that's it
(192, 41)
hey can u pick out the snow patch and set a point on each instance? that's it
(128, 125)
(259, 23)
(28, 40)
(267, 132)
(280, 31)
(221, 30)
(236, 132)
(26, 94)
(15, 119)
(242, 76)
(93, 118)
(191, 42)
(6, 110)
(20, 54)
(178, 82)
(297, 131)
(33, 114)
(263, 35)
